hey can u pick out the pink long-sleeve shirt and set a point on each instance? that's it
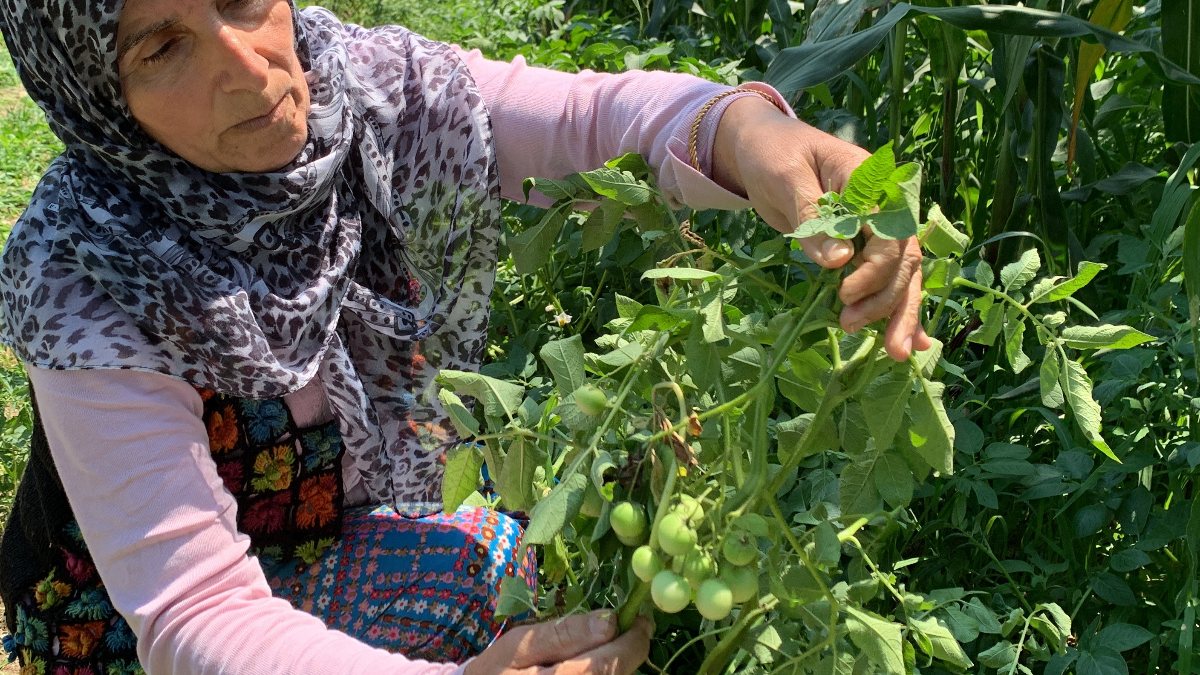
(132, 450)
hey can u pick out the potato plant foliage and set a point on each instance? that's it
(727, 434)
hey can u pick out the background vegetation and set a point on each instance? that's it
(1030, 137)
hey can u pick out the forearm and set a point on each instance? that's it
(133, 456)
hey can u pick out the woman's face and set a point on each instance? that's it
(216, 81)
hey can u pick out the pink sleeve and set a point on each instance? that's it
(132, 452)
(550, 124)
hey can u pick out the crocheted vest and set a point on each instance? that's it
(288, 486)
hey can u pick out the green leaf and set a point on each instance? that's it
(500, 399)
(899, 216)
(878, 638)
(1050, 377)
(1106, 336)
(531, 249)
(1014, 339)
(602, 464)
(564, 358)
(514, 481)
(865, 186)
(1191, 274)
(1000, 655)
(991, 314)
(858, 493)
(1101, 661)
(1065, 289)
(984, 276)
(1077, 388)
(884, 403)
(1180, 35)
(461, 475)
(680, 274)
(894, 480)
(836, 226)
(552, 514)
(940, 237)
(516, 597)
(464, 422)
(616, 184)
(1122, 637)
(713, 327)
(1015, 275)
(942, 644)
(810, 64)
(556, 190)
(827, 547)
(601, 224)
(931, 433)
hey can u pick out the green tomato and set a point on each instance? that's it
(698, 566)
(628, 521)
(591, 400)
(674, 536)
(645, 563)
(739, 548)
(690, 510)
(714, 600)
(743, 582)
(670, 591)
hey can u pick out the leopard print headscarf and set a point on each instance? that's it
(367, 262)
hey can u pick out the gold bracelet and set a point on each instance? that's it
(694, 133)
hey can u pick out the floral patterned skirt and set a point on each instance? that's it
(423, 587)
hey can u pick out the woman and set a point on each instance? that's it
(269, 230)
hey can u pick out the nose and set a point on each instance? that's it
(241, 66)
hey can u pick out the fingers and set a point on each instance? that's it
(552, 642)
(887, 285)
(904, 328)
(621, 656)
(827, 251)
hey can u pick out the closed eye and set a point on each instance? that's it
(163, 52)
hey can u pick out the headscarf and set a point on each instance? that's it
(367, 262)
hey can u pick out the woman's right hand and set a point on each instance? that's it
(577, 644)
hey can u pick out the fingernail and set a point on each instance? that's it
(835, 249)
(602, 624)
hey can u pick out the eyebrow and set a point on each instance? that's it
(133, 40)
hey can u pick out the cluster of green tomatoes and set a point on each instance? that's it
(679, 569)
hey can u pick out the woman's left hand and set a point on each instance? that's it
(783, 166)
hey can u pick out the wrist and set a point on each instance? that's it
(744, 115)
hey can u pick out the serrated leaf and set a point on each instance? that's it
(461, 475)
(551, 515)
(865, 186)
(464, 422)
(531, 249)
(940, 237)
(564, 358)
(556, 190)
(858, 493)
(931, 433)
(1077, 389)
(1014, 340)
(616, 184)
(1106, 336)
(1015, 275)
(878, 638)
(1066, 288)
(1050, 377)
(500, 399)
(942, 643)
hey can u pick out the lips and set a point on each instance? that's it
(264, 119)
